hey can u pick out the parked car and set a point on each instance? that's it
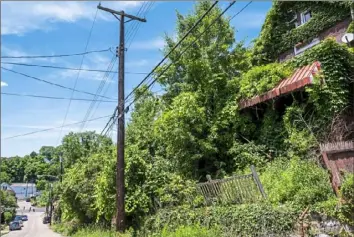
(24, 218)
(19, 220)
(28, 199)
(46, 220)
(15, 225)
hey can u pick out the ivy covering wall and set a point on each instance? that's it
(279, 33)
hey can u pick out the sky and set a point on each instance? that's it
(62, 27)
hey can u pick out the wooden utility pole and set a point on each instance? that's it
(120, 189)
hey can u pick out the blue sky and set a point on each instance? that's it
(46, 28)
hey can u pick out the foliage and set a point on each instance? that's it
(298, 182)
(260, 79)
(347, 193)
(300, 138)
(93, 232)
(196, 129)
(28, 168)
(191, 231)
(7, 199)
(79, 146)
(331, 92)
(41, 184)
(67, 228)
(350, 28)
(271, 133)
(278, 34)
(79, 185)
(235, 220)
(194, 132)
(8, 217)
(248, 154)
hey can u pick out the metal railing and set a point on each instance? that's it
(234, 190)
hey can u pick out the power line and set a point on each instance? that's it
(104, 93)
(174, 47)
(240, 10)
(50, 83)
(59, 55)
(67, 68)
(185, 50)
(129, 31)
(78, 74)
(53, 97)
(166, 56)
(100, 87)
(49, 129)
(135, 99)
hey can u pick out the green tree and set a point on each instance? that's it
(199, 85)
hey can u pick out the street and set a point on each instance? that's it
(34, 226)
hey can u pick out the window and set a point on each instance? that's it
(305, 17)
(302, 18)
(301, 48)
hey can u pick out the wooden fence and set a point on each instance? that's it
(338, 157)
(235, 189)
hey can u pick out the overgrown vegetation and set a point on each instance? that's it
(196, 129)
(236, 220)
(297, 182)
(279, 33)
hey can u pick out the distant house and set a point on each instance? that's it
(24, 190)
(7, 187)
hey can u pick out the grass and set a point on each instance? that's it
(90, 232)
(5, 230)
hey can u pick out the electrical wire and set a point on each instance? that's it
(185, 50)
(50, 83)
(49, 129)
(113, 116)
(173, 48)
(53, 97)
(59, 55)
(67, 68)
(78, 74)
(100, 87)
(104, 93)
(242, 9)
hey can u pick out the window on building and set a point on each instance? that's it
(301, 48)
(301, 18)
(305, 17)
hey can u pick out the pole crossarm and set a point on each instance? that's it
(121, 13)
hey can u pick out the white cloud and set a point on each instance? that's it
(157, 43)
(3, 84)
(21, 17)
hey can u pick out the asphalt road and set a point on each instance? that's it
(34, 226)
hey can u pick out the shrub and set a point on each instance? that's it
(232, 220)
(262, 78)
(350, 28)
(191, 231)
(8, 217)
(347, 192)
(98, 232)
(299, 182)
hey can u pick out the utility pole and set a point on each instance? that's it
(61, 168)
(120, 189)
(50, 203)
(26, 188)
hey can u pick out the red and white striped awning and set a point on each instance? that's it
(301, 78)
